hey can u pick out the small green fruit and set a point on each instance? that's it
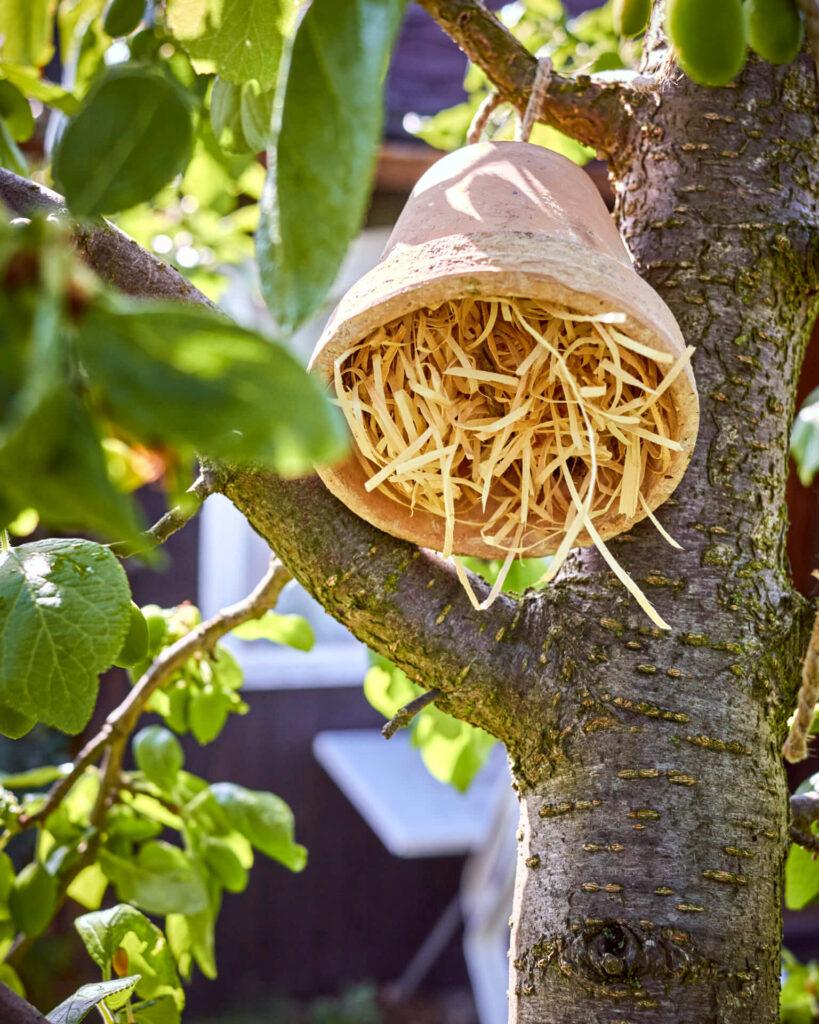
(630, 17)
(775, 29)
(708, 37)
(135, 646)
(157, 627)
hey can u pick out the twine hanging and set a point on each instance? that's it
(512, 387)
(526, 122)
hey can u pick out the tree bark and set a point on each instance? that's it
(653, 798)
(650, 865)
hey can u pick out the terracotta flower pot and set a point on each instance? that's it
(515, 220)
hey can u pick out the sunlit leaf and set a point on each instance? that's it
(239, 39)
(321, 162)
(131, 136)
(64, 608)
(292, 630)
(187, 376)
(77, 1007)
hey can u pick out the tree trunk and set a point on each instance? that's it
(653, 797)
(650, 864)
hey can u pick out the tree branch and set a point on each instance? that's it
(114, 256)
(402, 718)
(805, 814)
(175, 518)
(405, 603)
(15, 1010)
(588, 109)
(122, 720)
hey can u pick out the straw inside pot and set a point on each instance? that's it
(532, 423)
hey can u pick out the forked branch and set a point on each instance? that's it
(588, 109)
(405, 603)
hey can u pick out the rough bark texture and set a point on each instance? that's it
(653, 798)
(654, 807)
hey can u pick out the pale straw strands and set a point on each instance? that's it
(534, 424)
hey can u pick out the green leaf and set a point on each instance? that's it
(25, 31)
(10, 155)
(388, 689)
(124, 822)
(801, 878)
(135, 646)
(11, 979)
(6, 880)
(68, 479)
(70, 820)
(13, 724)
(64, 609)
(33, 899)
(256, 108)
(132, 135)
(105, 931)
(227, 672)
(35, 778)
(191, 937)
(29, 82)
(157, 1011)
(224, 863)
(239, 39)
(77, 1007)
(226, 116)
(292, 630)
(88, 888)
(158, 753)
(797, 998)
(264, 820)
(122, 17)
(208, 710)
(805, 439)
(157, 367)
(161, 880)
(452, 751)
(321, 162)
(15, 111)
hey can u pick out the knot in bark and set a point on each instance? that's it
(615, 951)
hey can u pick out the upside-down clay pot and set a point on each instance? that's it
(491, 220)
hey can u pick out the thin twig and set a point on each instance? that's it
(804, 814)
(120, 723)
(174, 519)
(796, 745)
(405, 715)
